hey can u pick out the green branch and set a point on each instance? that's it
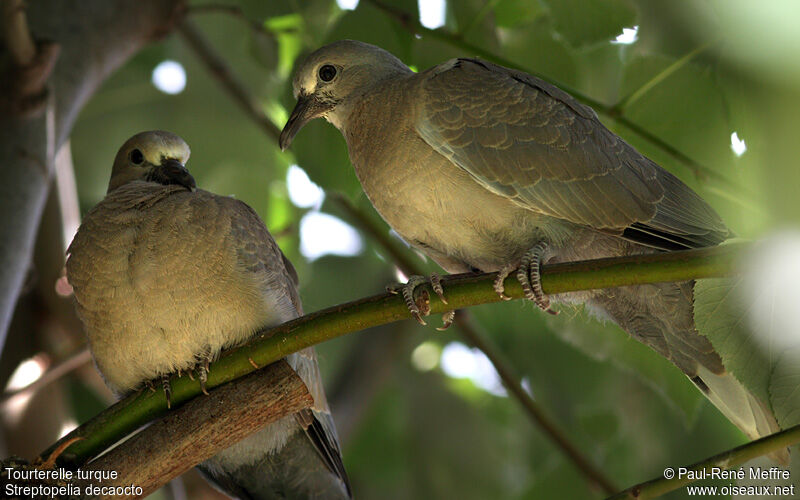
(726, 460)
(462, 291)
(400, 255)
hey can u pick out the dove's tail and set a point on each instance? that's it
(661, 316)
(741, 407)
(295, 457)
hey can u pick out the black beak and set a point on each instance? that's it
(306, 109)
(172, 172)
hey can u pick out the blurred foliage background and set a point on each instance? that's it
(421, 414)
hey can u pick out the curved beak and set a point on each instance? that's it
(306, 109)
(171, 171)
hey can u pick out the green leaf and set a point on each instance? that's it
(721, 315)
(369, 24)
(511, 13)
(785, 388)
(264, 49)
(612, 345)
(587, 22)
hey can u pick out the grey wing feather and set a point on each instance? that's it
(319, 429)
(529, 141)
(258, 252)
(318, 422)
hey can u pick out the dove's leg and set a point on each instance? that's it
(202, 368)
(163, 380)
(167, 389)
(499, 281)
(407, 289)
(529, 276)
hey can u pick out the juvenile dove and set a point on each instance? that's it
(484, 168)
(165, 276)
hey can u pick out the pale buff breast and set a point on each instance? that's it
(157, 282)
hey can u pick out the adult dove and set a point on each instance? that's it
(165, 276)
(485, 168)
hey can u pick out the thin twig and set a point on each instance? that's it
(19, 42)
(700, 171)
(479, 17)
(398, 253)
(462, 291)
(402, 260)
(68, 365)
(218, 68)
(637, 94)
(231, 10)
(726, 460)
(512, 382)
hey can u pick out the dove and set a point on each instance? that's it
(165, 276)
(489, 169)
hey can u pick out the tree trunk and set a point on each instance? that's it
(90, 39)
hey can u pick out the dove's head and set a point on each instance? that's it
(331, 76)
(154, 156)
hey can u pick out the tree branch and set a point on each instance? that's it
(18, 37)
(219, 69)
(462, 291)
(83, 357)
(513, 383)
(726, 460)
(467, 329)
(231, 10)
(95, 37)
(201, 428)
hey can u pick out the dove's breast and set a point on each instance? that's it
(135, 267)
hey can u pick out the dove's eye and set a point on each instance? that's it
(137, 157)
(327, 72)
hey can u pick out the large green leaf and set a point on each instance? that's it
(587, 22)
(721, 314)
(785, 388)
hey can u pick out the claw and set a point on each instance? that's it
(499, 281)
(167, 390)
(447, 320)
(203, 367)
(407, 290)
(202, 377)
(436, 284)
(416, 309)
(529, 276)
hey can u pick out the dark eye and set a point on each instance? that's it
(327, 72)
(137, 157)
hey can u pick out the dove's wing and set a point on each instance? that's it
(525, 139)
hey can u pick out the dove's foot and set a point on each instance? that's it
(167, 389)
(528, 275)
(163, 381)
(417, 311)
(499, 281)
(202, 368)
